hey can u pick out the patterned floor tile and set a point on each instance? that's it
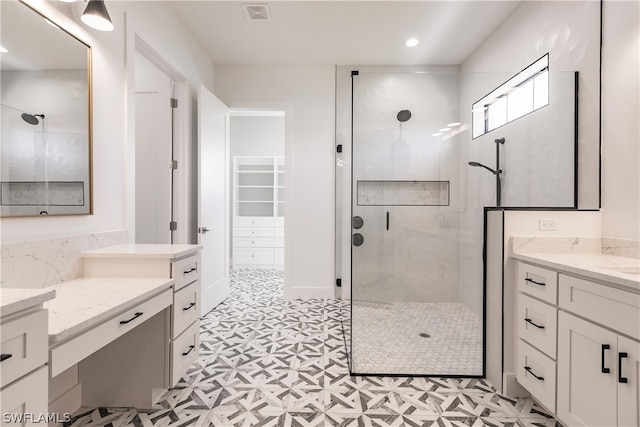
(267, 361)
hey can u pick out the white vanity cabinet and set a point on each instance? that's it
(598, 366)
(578, 346)
(179, 262)
(23, 348)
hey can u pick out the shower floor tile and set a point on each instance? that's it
(416, 338)
(266, 361)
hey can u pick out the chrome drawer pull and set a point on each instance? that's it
(138, 314)
(531, 323)
(528, 369)
(191, 347)
(534, 282)
(4, 357)
(189, 306)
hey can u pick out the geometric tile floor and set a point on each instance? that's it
(441, 339)
(267, 361)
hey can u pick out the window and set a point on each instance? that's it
(525, 92)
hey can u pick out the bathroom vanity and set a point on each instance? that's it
(578, 335)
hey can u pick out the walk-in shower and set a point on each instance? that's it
(409, 315)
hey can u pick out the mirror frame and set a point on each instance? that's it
(89, 54)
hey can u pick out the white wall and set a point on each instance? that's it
(306, 93)
(256, 136)
(166, 33)
(620, 124)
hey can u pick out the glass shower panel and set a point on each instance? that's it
(407, 315)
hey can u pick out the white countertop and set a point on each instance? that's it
(137, 250)
(601, 267)
(84, 302)
(15, 300)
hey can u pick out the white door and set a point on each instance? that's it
(152, 154)
(213, 200)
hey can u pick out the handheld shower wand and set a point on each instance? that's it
(496, 172)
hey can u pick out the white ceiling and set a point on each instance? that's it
(344, 32)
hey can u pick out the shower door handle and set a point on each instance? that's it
(387, 220)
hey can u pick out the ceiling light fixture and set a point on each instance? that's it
(412, 42)
(444, 130)
(68, 1)
(453, 124)
(96, 16)
(437, 134)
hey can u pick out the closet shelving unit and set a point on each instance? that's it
(258, 212)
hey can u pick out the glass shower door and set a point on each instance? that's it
(406, 312)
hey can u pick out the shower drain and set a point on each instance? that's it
(424, 335)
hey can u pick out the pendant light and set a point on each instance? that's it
(96, 16)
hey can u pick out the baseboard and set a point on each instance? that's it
(309, 292)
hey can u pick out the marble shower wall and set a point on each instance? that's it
(38, 264)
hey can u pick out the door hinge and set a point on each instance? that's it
(339, 283)
(173, 102)
(339, 148)
(173, 165)
(173, 226)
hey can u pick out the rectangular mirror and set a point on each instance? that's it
(45, 118)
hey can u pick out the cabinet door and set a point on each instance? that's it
(586, 394)
(629, 391)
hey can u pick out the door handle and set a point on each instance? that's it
(203, 230)
(387, 220)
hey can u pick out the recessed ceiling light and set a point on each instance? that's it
(3, 50)
(412, 42)
(68, 1)
(453, 124)
(436, 134)
(421, 72)
(444, 130)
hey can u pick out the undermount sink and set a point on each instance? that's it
(623, 269)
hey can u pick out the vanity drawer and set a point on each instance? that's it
(538, 282)
(184, 351)
(252, 256)
(537, 324)
(185, 271)
(29, 395)
(24, 345)
(252, 242)
(615, 308)
(254, 221)
(278, 242)
(186, 307)
(537, 373)
(66, 354)
(252, 232)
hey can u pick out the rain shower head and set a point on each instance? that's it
(476, 164)
(403, 116)
(32, 119)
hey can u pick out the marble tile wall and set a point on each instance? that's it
(42, 263)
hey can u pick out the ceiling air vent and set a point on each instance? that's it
(257, 11)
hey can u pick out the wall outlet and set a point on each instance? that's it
(548, 224)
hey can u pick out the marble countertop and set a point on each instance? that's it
(143, 251)
(15, 300)
(621, 271)
(82, 303)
